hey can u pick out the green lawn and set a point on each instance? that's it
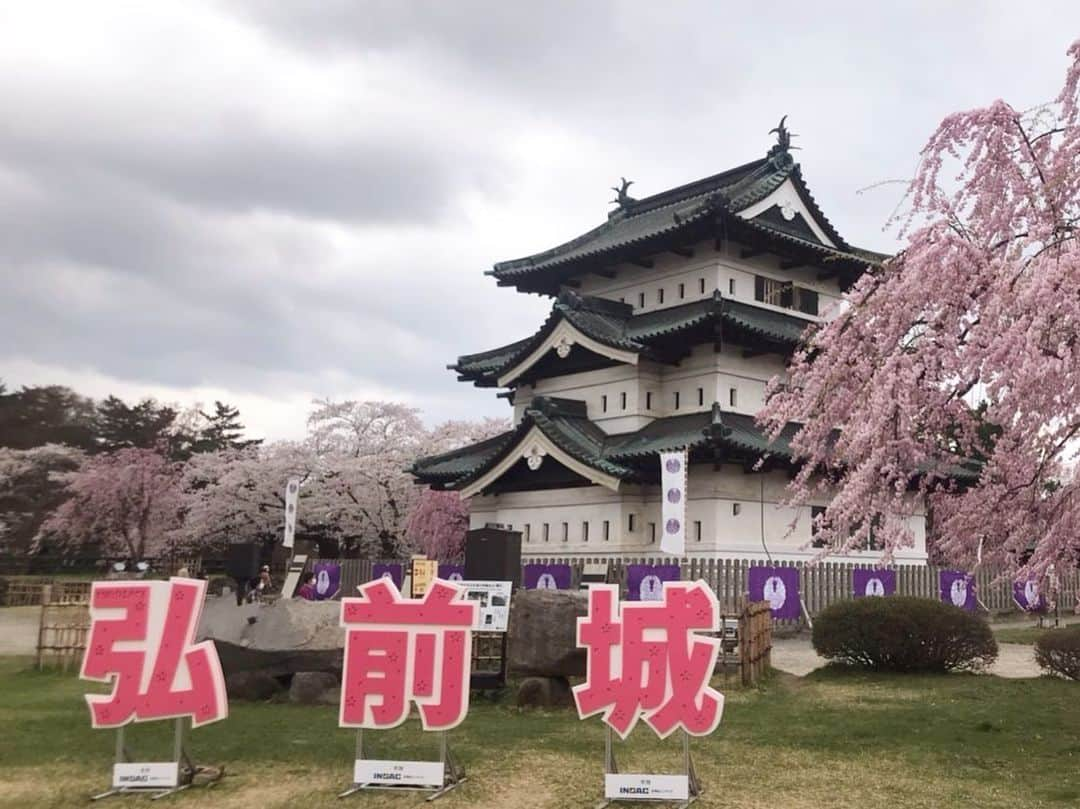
(833, 739)
(1020, 634)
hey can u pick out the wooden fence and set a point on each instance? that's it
(824, 583)
(62, 628)
(819, 585)
(28, 592)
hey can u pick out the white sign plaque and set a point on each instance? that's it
(636, 787)
(398, 773)
(494, 600)
(146, 775)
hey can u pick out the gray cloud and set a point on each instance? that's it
(273, 197)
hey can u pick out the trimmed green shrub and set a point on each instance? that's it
(899, 633)
(1058, 652)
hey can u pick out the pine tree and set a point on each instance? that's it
(51, 414)
(223, 430)
(144, 425)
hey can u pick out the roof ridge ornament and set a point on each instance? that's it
(780, 153)
(623, 199)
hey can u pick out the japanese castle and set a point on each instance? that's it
(667, 321)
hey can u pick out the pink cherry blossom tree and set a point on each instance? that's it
(29, 491)
(125, 502)
(364, 449)
(437, 524)
(438, 521)
(964, 345)
(235, 495)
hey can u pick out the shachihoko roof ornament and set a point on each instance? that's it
(623, 199)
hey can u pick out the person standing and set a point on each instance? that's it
(307, 590)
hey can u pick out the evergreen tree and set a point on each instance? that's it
(223, 430)
(50, 414)
(144, 425)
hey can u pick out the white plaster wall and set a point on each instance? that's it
(758, 530)
(714, 373)
(700, 275)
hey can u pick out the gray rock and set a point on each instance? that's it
(545, 692)
(543, 626)
(254, 686)
(312, 687)
(331, 696)
(279, 638)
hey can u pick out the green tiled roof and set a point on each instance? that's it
(626, 456)
(615, 325)
(666, 212)
(689, 212)
(621, 455)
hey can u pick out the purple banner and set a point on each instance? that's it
(779, 586)
(1028, 596)
(958, 589)
(646, 582)
(327, 580)
(390, 569)
(547, 577)
(451, 572)
(866, 582)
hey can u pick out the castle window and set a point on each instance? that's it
(785, 294)
(660, 295)
(607, 530)
(682, 291)
(808, 301)
(641, 300)
(773, 292)
(733, 397)
(603, 404)
(648, 400)
(526, 531)
(700, 396)
(701, 285)
(697, 530)
(736, 509)
(546, 532)
(622, 400)
(585, 531)
(676, 400)
(731, 286)
(566, 532)
(652, 532)
(630, 523)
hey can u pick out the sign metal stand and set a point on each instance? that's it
(164, 778)
(436, 777)
(642, 792)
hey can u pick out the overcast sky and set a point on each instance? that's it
(266, 202)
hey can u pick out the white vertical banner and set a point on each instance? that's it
(673, 502)
(292, 497)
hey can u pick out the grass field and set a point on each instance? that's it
(833, 739)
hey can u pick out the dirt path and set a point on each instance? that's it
(18, 630)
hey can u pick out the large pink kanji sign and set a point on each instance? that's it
(645, 660)
(406, 650)
(142, 640)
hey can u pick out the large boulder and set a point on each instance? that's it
(545, 692)
(279, 638)
(314, 688)
(543, 626)
(251, 686)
